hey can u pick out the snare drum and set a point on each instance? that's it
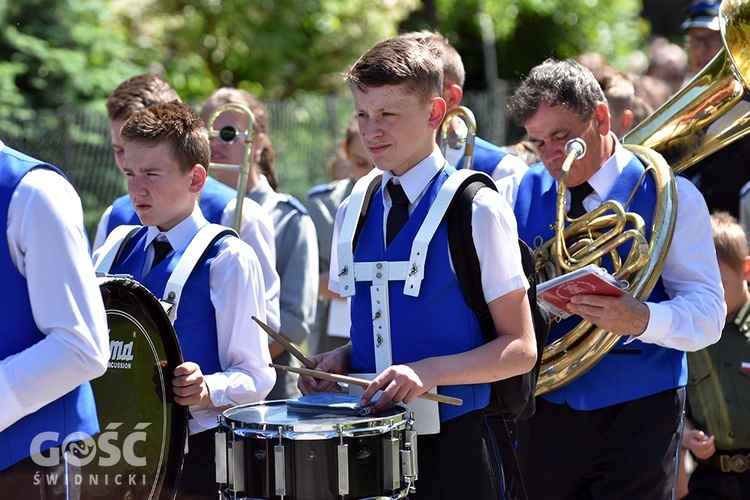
(265, 452)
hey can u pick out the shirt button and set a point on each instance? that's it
(727, 362)
(728, 399)
(731, 434)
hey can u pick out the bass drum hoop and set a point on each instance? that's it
(126, 404)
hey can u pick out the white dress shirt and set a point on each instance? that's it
(48, 246)
(257, 230)
(237, 294)
(493, 229)
(694, 316)
(507, 173)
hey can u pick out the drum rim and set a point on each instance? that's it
(332, 426)
(167, 481)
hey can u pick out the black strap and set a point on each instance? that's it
(123, 243)
(466, 263)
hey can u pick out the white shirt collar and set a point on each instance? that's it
(604, 179)
(180, 235)
(417, 178)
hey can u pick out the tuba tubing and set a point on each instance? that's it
(471, 124)
(570, 356)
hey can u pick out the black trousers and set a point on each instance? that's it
(707, 483)
(459, 462)
(198, 480)
(625, 451)
(26, 480)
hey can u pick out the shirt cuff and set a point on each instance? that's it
(217, 389)
(12, 408)
(659, 322)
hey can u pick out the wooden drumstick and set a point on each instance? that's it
(440, 398)
(289, 347)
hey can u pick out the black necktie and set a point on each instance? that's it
(161, 249)
(577, 195)
(399, 212)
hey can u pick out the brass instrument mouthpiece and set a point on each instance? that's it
(576, 146)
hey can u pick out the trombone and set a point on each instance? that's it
(453, 139)
(228, 134)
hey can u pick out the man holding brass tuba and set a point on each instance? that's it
(613, 431)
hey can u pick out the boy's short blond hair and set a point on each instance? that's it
(175, 124)
(399, 61)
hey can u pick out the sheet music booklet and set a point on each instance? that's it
(589, 280)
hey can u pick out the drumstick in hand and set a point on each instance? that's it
(440, 398)
(289, 347)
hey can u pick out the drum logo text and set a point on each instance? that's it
(121, 354)
(81, 449)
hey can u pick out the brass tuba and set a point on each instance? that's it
(229, 135)
(454, 140)
(713, 109)
(708, 113)
(586, 240)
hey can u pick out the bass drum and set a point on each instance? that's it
(140, 449)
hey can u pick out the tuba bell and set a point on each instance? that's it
(713, 109)
(708, 113)
(228, 135)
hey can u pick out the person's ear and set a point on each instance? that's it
(626, 122)
(437, 112)
(453, 95)
(197, 178)
(259, 144)
(601, 115)
(747, 269)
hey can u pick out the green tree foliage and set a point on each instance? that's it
(59, 52)
(274, 48)
(529, 31)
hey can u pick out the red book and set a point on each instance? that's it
(590, 280)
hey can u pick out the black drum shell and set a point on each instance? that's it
(130, 399)
(310, 447)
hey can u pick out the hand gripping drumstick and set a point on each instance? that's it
(362, 383)
(289, 347)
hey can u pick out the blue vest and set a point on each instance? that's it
(213, 200)
(486, 156)
(196, 321)
(629, 371)
(436, 323)
(75, 411)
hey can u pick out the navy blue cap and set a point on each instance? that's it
(703, 14)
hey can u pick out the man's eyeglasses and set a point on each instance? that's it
(713, 42)
(228, 134)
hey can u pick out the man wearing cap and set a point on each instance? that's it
(719, 176)
(702, 30)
